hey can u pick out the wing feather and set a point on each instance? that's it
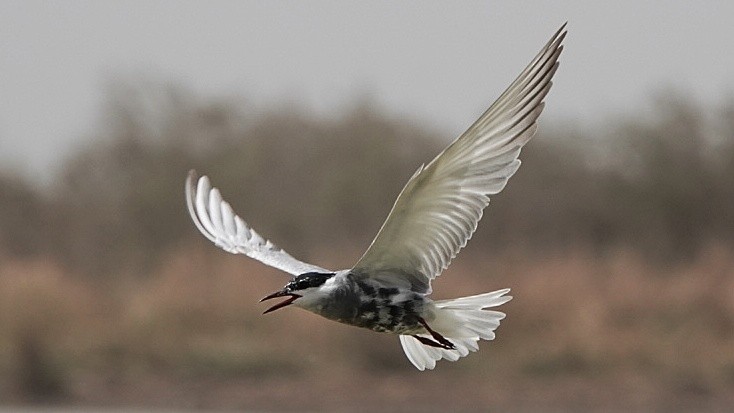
(215, 219)
(439, 208)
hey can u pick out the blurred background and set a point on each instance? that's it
(616, 236)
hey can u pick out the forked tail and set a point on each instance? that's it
(462, 321)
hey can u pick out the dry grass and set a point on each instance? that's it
(583, 332)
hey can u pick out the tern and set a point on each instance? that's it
(433, 217)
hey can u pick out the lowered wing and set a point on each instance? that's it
(216, 220)
(439, 208)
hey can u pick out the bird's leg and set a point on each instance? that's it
(427, 341)
(442, 341)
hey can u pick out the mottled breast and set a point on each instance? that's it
(387, 309)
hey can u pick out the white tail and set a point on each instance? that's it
(462, 321)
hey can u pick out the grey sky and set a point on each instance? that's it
(442, 62)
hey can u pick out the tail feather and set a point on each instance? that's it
(463, 321)
(477, 302)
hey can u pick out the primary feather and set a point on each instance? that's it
(215, 219)
(439, 208)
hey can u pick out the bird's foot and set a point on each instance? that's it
(441, 341)
(427, 341)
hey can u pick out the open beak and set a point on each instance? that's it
(281, 293)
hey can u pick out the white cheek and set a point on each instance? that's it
(309, 299)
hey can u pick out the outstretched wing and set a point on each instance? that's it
(216, 220)
(439, 208)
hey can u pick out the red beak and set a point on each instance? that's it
(282, 293)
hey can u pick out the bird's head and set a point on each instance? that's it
(305, 285)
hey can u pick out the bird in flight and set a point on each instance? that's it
(432, 219)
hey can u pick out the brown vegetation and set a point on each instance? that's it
(582, 332)
(618, 247)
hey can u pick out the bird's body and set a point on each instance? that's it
(368, 304)
(433, 218)
(363, 302)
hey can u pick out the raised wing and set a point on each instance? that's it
(216, 220)
(439, 208)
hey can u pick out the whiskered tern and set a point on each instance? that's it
(432, 219)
